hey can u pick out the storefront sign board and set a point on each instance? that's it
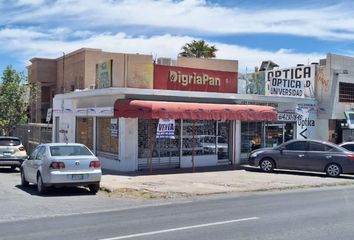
(291, 82)
(192, 79)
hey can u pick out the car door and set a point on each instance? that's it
(318, 156)
(292, 155)
(28, 167)
(38, 161)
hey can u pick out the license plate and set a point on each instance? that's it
(78, 177)
(7, 154)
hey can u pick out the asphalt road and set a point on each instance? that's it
(326, 213)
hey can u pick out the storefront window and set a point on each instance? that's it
(160, 147)
(249, 132)
(107, 135)
(204, 138)
(265, 134)
(84, 131)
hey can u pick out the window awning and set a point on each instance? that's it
(194, 111)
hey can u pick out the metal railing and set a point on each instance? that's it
(32, 134)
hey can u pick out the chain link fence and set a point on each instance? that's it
(32, 134)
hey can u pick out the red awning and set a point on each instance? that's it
(194, 111)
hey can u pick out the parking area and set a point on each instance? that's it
(18, 203)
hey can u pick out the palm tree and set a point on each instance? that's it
(198, 49)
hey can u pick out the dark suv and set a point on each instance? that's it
(12, 152)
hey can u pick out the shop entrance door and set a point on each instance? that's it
(222, 142)
(278, 133)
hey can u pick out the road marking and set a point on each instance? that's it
(181, 228)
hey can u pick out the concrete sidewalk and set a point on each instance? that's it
(205, 181)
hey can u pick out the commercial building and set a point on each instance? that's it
(214, 115)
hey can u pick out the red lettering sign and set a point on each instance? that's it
(192, 79)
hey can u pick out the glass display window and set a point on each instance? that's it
(107, 135)
(84, 131)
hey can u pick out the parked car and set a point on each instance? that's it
(61, 164)
(12, 152)
(306, 155)
(348, 145)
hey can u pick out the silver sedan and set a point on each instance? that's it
(60, 164)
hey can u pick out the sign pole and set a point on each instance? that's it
(150, 145)
(193, 144)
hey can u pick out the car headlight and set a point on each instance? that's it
(255, 154)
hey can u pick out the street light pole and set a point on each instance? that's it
(63, 88)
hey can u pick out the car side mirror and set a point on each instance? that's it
(281, 149)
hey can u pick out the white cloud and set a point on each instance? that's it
(334, 22)
(158, 46)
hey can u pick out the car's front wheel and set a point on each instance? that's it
(94, 188)
(267, 165)
(24, 183)
(333, 170)
(40, 186)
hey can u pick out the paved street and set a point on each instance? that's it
(321, 213)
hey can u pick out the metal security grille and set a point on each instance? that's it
(346, 92)
(165, 152)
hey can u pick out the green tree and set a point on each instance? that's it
(198, 49)
(13, 103)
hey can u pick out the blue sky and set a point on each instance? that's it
(286, 32)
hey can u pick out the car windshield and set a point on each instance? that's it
(9, 142)
(69, 151)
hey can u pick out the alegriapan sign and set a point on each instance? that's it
(192, 79)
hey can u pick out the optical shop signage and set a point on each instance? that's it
(306, 125)
(166, 128)
(193, 79)
(291, 82)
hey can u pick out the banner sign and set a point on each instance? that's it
(291, 82)
(104, 74)
(306, 126)
(289, 117)
(192, 79)
(49, 115)
(166, 129)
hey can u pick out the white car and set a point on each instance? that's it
(61, 164)
(12, 152)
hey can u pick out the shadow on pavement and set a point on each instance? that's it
(293, 172)
(56, 192)
(172, 171)
(8, 170)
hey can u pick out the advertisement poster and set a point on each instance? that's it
(166, 129)
(251, 83)
(104, 74)
(114, 127)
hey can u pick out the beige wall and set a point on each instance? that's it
(208, 63)
(42, 70)
(73, 67)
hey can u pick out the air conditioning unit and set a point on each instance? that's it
(92, 86)
(164, 61)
